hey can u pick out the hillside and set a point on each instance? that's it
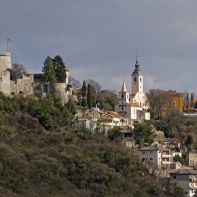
(40, 155)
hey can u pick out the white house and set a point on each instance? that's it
(87, 122)
(111, 119)
(186, 179)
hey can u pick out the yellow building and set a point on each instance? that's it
(177, 99)
(172, 100)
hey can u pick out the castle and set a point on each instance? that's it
(134, 105)
(29, 84)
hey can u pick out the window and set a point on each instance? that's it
(174, 176)
(135, 79)
(122, 96)
(151, 159)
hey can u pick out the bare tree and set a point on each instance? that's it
(95, 84)
(17, 71)
(159, 101)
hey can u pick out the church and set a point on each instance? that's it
(134, 105)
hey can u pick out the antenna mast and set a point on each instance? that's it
(7, 44)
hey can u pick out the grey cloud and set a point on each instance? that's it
(99, 38)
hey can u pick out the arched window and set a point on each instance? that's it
(135, 79)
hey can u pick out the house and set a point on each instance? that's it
(87, 122)
(171, 143)
(159, 156)
(186, 179)
(192, 159)
(111, 119)
(166, 156)
(151, 155)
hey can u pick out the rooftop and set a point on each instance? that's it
(184, 172)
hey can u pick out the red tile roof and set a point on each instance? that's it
(134, 105)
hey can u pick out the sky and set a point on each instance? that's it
(98, 39)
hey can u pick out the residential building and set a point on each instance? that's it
(192, 159)
(186, 179)
(111, 119)
(158, 156)
(151, 155)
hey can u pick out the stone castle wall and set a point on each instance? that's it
(28, 85)
(23, 86)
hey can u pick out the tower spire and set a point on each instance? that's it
(124, 89)
(136, 56)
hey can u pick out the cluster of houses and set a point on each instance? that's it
(165, 156)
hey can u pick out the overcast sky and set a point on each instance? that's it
(98, 39)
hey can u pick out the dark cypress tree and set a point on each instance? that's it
(192, 100)
(60, 69)
(48, 70)
(84, 89)
(91, 96)
(84, 94)
(187, 101)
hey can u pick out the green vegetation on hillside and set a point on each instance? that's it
(40, 155)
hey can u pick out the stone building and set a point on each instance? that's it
(186, 179)
(29, 84)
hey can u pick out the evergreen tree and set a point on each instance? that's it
(91, 96)
(84, 89)
(60, 69)
(192, 100)
(84, 94)
(48, 70)
(187, 101)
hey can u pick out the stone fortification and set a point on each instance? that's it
(22, 86)
(29, 84)
(5, 65)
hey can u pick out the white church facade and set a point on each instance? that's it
(134, 105)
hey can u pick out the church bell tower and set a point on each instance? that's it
(137, 80)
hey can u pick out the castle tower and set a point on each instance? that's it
(5, 65)
(137, 80)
